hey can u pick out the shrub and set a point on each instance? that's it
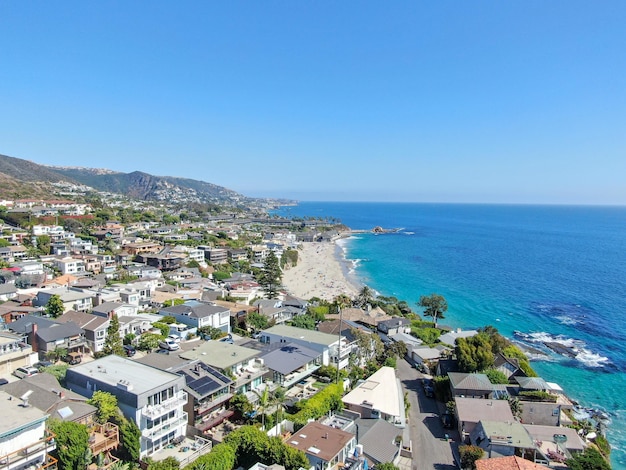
(469, 456)
(496, 376)
(538, 395)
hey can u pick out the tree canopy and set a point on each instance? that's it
(72, 443)
(55, 306)
(434, 305)
(106, 403)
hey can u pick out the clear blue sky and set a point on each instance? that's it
(495, 101)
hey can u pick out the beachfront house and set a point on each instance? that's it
(502, 439)
(469, 411)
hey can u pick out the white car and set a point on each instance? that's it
(22, 372)
(174, 338)
(169, 344)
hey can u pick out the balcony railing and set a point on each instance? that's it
(103, 437)
(37, 451)
(207, 405)
(154, 411)
(165, 427)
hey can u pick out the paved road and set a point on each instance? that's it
(430, 449)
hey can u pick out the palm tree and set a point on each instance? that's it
(278, 397)
(342, 301)
(365, 296)
(262, 403)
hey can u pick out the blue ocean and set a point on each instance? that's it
(537, 273)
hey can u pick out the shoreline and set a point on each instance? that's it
(322, 271)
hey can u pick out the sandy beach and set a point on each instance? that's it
(321, 272)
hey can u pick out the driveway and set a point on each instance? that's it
(430, 448)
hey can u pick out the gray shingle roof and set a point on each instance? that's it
(460, 380)
(46, 396)
(378, 439)
(532, 383)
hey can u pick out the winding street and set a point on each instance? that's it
(430, 449)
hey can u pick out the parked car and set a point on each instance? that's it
(41, 365)
(73, 358)
(174, 338)
(169, 345)
(3, 381)
(227, 339)
(130, 350)
(22, 372)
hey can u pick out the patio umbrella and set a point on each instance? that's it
(356, 452)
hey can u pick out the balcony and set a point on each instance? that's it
(164, 428)
(248, 374)
(154, 411)
(36, 453)
(208, 405)
(103, 438)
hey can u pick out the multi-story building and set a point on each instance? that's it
(70, 266)
(152, 398)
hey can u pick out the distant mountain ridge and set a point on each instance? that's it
(136, 185)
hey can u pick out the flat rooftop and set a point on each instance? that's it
(220, 354)
(312, 336)
(112, 369)
(15, 415)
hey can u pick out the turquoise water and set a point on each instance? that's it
(536, 273)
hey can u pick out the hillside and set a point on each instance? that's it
(22, 178)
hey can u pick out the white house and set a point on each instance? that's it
(152, 398)
(24, 442)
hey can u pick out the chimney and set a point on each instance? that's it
(33, 338)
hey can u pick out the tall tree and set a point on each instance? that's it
(434, 305)
(72, 443)
(55, 306)
(271, 276)
(130, 439)
(113, 342)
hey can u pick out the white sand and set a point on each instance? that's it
(320, 272)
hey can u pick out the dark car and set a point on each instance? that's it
(41, 365)
(129, 350)
(3, 381)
